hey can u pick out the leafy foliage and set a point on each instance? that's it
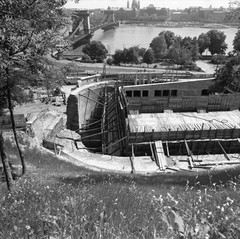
(236, 41)
(159, 47)
(191, 44)
(139, 50)
(219, 59)
(132, 55)
(179, 54)
(118, 57)
(228, 75)
(217, 42)
(169, 37)
(95, 50)
(148, 56)
(29, 30)
(203, 42)
(127, 55)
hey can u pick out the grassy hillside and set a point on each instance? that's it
(61, 200)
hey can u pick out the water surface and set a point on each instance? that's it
(127, 36)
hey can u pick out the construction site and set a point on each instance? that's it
(156, 124)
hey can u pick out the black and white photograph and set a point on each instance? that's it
(119, 119)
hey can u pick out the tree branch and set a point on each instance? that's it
(25, 47)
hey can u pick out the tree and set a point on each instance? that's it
(127, 55)
(194, 49)
(178, 54)
(96, 50)
(28, 29)
(217, 43)
(236, 41)
(132, 56)
(5, 162)
(203, 42)
(169, 37)
(148, 57)
(86, 58)
(159, 47)
(139, 50)
(118, 57)
(228, 75)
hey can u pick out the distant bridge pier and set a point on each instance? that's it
(81, 29)
(110, 15)
(109, 20)
(86, 22)
(81, 23)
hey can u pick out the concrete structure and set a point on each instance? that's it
(172, 145)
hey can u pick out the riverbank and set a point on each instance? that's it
(173, 24)
(127, 36)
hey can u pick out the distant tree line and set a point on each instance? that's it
(177, 50)
(173, 48)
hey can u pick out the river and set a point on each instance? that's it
(129, 35)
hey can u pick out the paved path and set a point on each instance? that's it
(206, 67)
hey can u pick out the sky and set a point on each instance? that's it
(172, 4)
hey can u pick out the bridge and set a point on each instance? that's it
(82, 31)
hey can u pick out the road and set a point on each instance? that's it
(98, 67)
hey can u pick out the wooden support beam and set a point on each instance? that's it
(132, 160)
(89, 136)
(116, 142)
(113, 140)
(189, 154)
(90, 130)
(198, 140)
(103, 121)
(91, 99)
(167, 149)
(95, 93)
(87, 125)
(153, 155)
(86, 105)
(225, 154)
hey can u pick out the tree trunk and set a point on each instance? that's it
(6, 166)
(13, 125)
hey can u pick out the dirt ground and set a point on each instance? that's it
(37, 107)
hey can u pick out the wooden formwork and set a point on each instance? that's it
(114, 127)
(187, 126)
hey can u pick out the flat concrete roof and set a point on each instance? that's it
(184, 121)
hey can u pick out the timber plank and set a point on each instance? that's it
(160, 155)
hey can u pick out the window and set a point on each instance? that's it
(205, 92)
(129, 93)
(173, 92)
(157, 93)
(166, 92)
(145, 93)
(136, 93)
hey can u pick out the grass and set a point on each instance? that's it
(61, 200)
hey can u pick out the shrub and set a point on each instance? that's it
(219, 59)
